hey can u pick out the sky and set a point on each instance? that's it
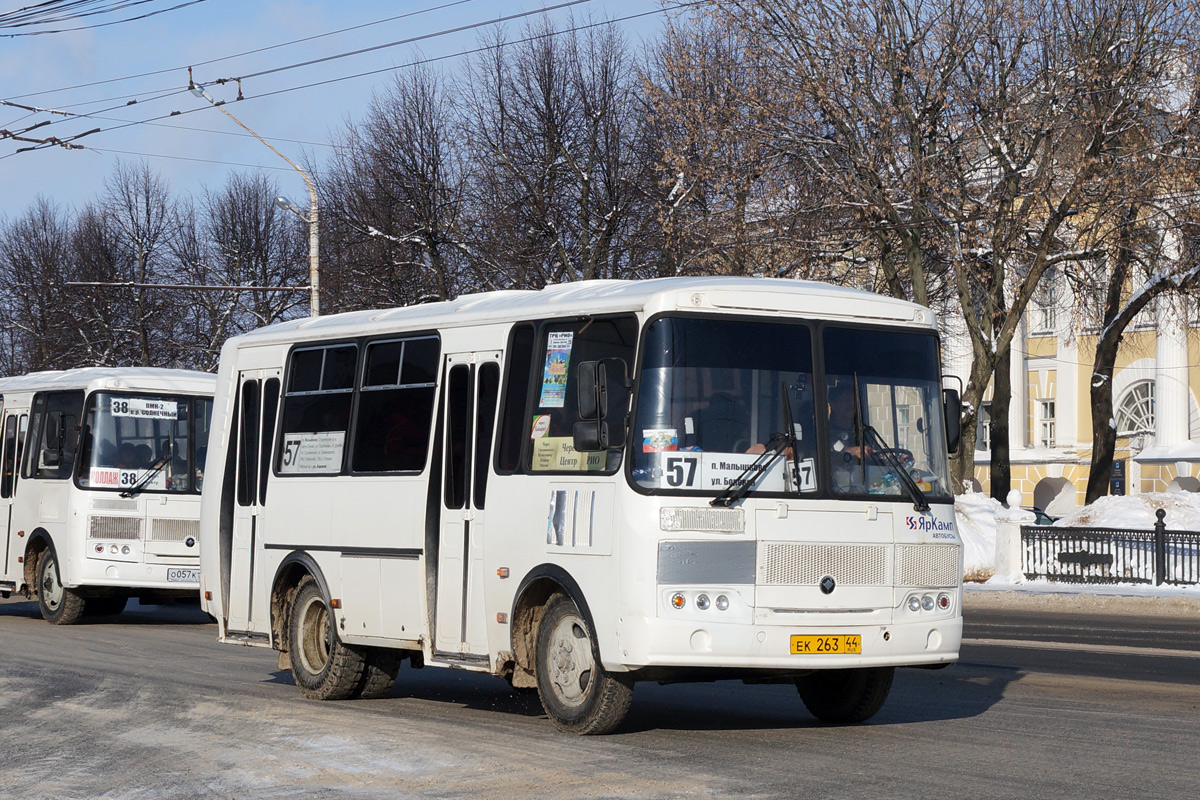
(201, 146)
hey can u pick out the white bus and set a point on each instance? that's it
(590, 485)
(100, 476)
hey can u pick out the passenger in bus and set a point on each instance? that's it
(843, 444)
(144, 457)
(127, 456)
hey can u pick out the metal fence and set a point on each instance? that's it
(1111, 555)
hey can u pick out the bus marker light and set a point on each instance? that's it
(502, 618)
(335, 603)
(502, 572)
(208, 595)
(20, 533)
(943, 601)
(702, 602)
(722, 602)
(678, 600)
(99, 548)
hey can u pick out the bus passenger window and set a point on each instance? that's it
(555, 411)
(56, 438)
(395, 406)
(10, 453)
(513, 428)
(316, 410)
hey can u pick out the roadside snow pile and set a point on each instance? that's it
(1137, 511)
(975, 514)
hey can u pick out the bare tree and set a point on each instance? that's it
(554, 120)
(36, 312)
(395, 198)
(138, 204)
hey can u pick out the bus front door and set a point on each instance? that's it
(258, 401)
(472, 382)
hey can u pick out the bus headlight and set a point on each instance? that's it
(927, 602)
(702, 602)
(722, 602)
(914, 603)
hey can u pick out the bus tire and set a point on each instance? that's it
(380, 665)
(846, 695)
(323, 667)
(578, 695)
(58, 604)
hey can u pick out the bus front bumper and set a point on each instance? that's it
(656, 642)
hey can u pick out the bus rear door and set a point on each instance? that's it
(472, 382)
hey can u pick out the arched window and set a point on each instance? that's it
(1135, 411)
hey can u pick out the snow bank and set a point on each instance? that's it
(1137, 511)
(975, 514)
(976, 517)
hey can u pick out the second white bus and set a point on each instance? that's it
(591, 485)
(100, 490)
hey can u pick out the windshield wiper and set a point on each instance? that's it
(881, 448)
(144, 481)
(776, 446)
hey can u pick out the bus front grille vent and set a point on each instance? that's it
(113, 504)
(174, 530)
(796, 564)
(926, 566)
(101, 527)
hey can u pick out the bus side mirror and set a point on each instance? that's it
(952, 411)
(52, 455)
(591, 433)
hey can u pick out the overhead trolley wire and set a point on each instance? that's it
(245, 53)
(27, 21)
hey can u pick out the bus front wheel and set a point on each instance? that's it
(59, 605)
(846, 695)
(577, 693)
(323, 667)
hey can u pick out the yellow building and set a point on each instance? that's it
(1155, 386)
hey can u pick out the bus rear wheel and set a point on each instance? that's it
(576, 692)
(380, 665)
(323, 667)
(846, 695)
(59, 605)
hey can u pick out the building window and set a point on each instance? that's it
(1135, 411)
(1046, 423)
(983, 428)
(1045, 304)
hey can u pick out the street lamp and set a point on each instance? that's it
(314, 280)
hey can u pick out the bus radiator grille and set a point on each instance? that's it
(795, 564)
(101, 527)
(174, 530)
(927, 566)
(113, 504)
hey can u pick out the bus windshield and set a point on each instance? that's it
(144, 442)
(715, 393)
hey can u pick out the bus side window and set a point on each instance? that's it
(563, 346)
(395, 405)
(316, 410)
(10, 456)
(513, 428)
(56, 420)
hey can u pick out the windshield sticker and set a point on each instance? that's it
(541, 427)
(144, 408)
(554, 376)
(312, 452)
(658, 440)
(117, 478)
(558, 454)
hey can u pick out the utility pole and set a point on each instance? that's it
(314, 275)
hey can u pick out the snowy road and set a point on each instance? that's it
(148, 705)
